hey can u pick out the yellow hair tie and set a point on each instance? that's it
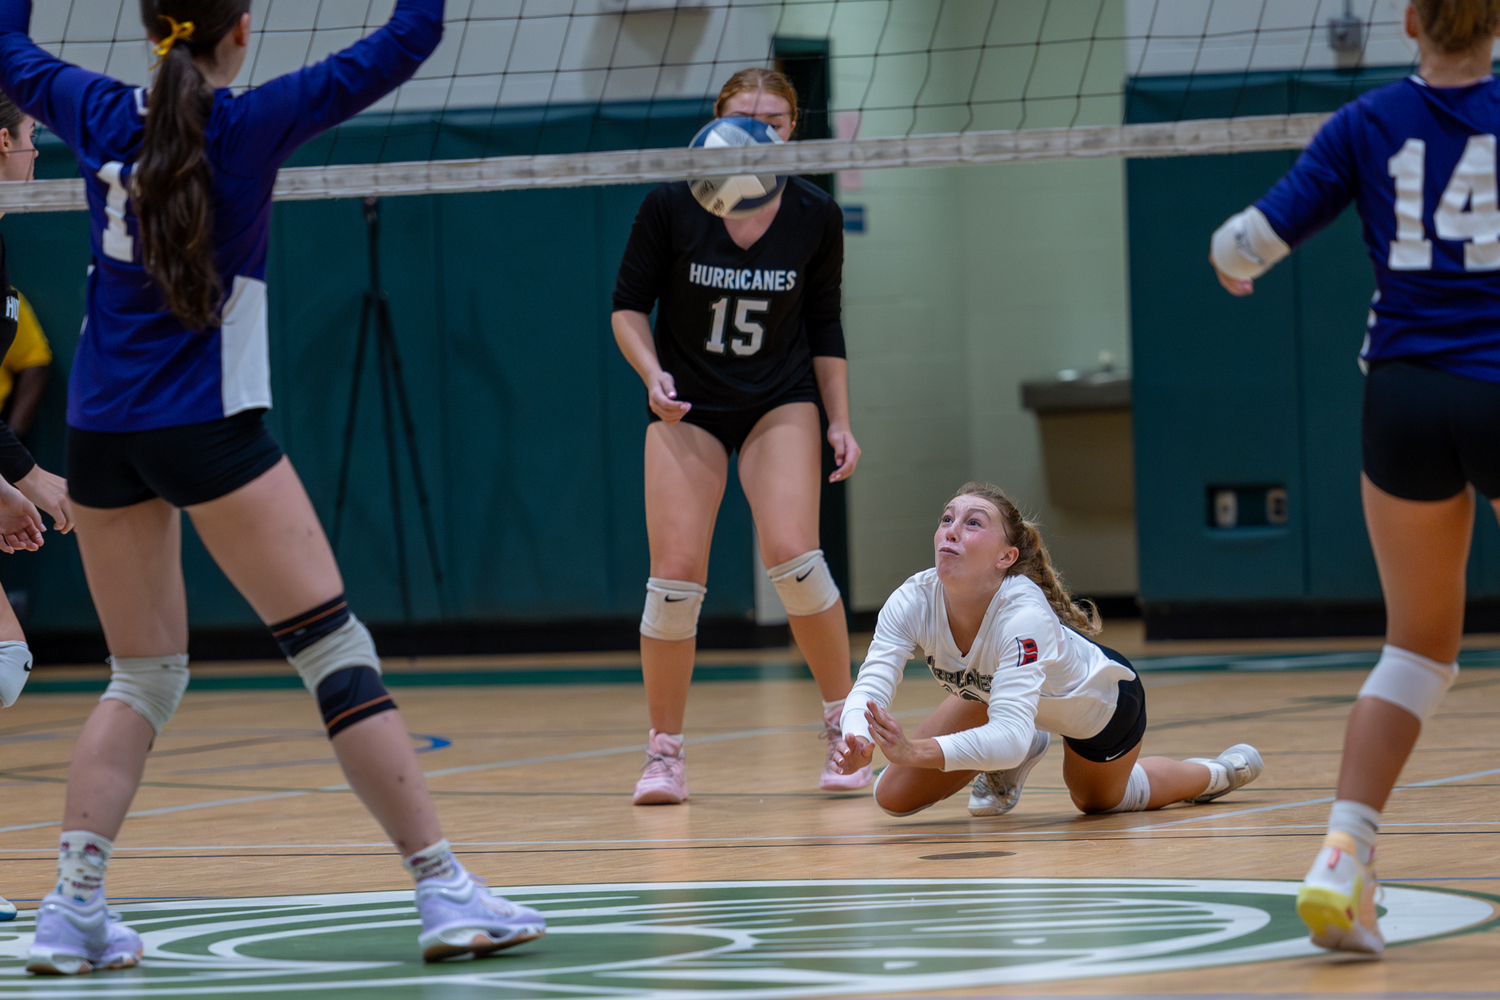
(182, 31)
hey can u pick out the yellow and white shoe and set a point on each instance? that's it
(1337, 899)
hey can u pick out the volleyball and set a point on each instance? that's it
(743, 194)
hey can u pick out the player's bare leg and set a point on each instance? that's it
(687, 469)
(268, 540)
(781, 472)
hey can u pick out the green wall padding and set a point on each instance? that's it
(1255, 391)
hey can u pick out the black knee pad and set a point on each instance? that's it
(350, 695)
(300, 631)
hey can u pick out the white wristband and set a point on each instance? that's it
(1246, 246)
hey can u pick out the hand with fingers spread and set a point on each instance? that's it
(850, 753)
(887, 732)
(49, 492)
(20, 525)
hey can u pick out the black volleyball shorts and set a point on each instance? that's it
(1125, 729)
(732, 427)
(1428, 432)
(184, 466)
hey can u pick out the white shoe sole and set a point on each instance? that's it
(1022, 773)
(441, 946)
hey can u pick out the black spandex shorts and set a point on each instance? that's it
(731, 427)
(1125, 730)
(1428, 432)
(184, 466)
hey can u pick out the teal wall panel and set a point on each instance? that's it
(1256, 391)
(530, 424)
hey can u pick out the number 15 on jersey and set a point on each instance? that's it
(754, 333)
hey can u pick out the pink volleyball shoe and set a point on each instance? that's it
(832, 780)
(664, 775)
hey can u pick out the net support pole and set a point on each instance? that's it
(1198, 137)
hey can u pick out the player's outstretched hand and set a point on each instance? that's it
(50, 493)
(20, 525)
(663, 398)
(893, 742)
(845, 451)
(851, 753)
(1237, 287)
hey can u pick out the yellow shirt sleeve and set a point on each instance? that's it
(29, 350)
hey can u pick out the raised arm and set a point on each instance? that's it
(279, 116)
(63, 97)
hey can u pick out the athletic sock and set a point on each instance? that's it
(1360, 822)
(82, 858)
(436, 861)
(829, 706)
(1218, 778)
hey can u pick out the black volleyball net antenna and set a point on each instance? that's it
(562, 93)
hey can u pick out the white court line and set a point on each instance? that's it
(493, 765)
(1311, 802)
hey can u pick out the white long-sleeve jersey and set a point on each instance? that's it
(1033, 671)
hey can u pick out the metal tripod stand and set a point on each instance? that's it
(377, 308)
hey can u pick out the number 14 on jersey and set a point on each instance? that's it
(1467, 212)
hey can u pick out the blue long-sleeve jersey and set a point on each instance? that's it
(1419, 163)
(137, 367)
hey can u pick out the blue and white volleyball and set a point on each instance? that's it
(743, 194)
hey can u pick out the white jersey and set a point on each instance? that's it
(1032, 670)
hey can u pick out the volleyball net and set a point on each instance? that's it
(561, 93)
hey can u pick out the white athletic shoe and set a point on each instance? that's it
(7, 909)
(1244, 765)
(73, 938)
(1337, 899)
(997, 792)
(460, 917)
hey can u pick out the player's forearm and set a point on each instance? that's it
(833, 385)
(633, 335)
(30, 384)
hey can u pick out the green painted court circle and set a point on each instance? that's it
(740, 940)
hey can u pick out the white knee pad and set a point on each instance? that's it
(1409, 681)
(15, 670)
(348, 646)
(672, 608)
(805, 584)
(152, 685)
(1137, 793)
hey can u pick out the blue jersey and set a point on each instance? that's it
(137, 367)
(1419, 163)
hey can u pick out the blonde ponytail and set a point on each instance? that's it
(1034, 562)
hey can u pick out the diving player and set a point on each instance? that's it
(165, 408)
(1417, 158)
(748, 342)
(1005, 639)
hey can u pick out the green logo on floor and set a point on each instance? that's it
(740, 940)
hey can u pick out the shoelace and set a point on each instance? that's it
(658, 763)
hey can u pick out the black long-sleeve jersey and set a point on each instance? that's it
(737, 327)
(15, 460)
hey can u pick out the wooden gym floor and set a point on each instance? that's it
(532, 761)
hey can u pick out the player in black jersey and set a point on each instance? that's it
(748, 342)
(24, 485)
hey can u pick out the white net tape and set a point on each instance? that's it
(501, 173)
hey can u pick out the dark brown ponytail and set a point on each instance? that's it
(1034, 560)
(172, 179)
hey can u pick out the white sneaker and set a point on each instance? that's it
(1337, 899)
(460, 917)
(1243, 763)
(7, 909)
(73, 938)
(997, 792)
